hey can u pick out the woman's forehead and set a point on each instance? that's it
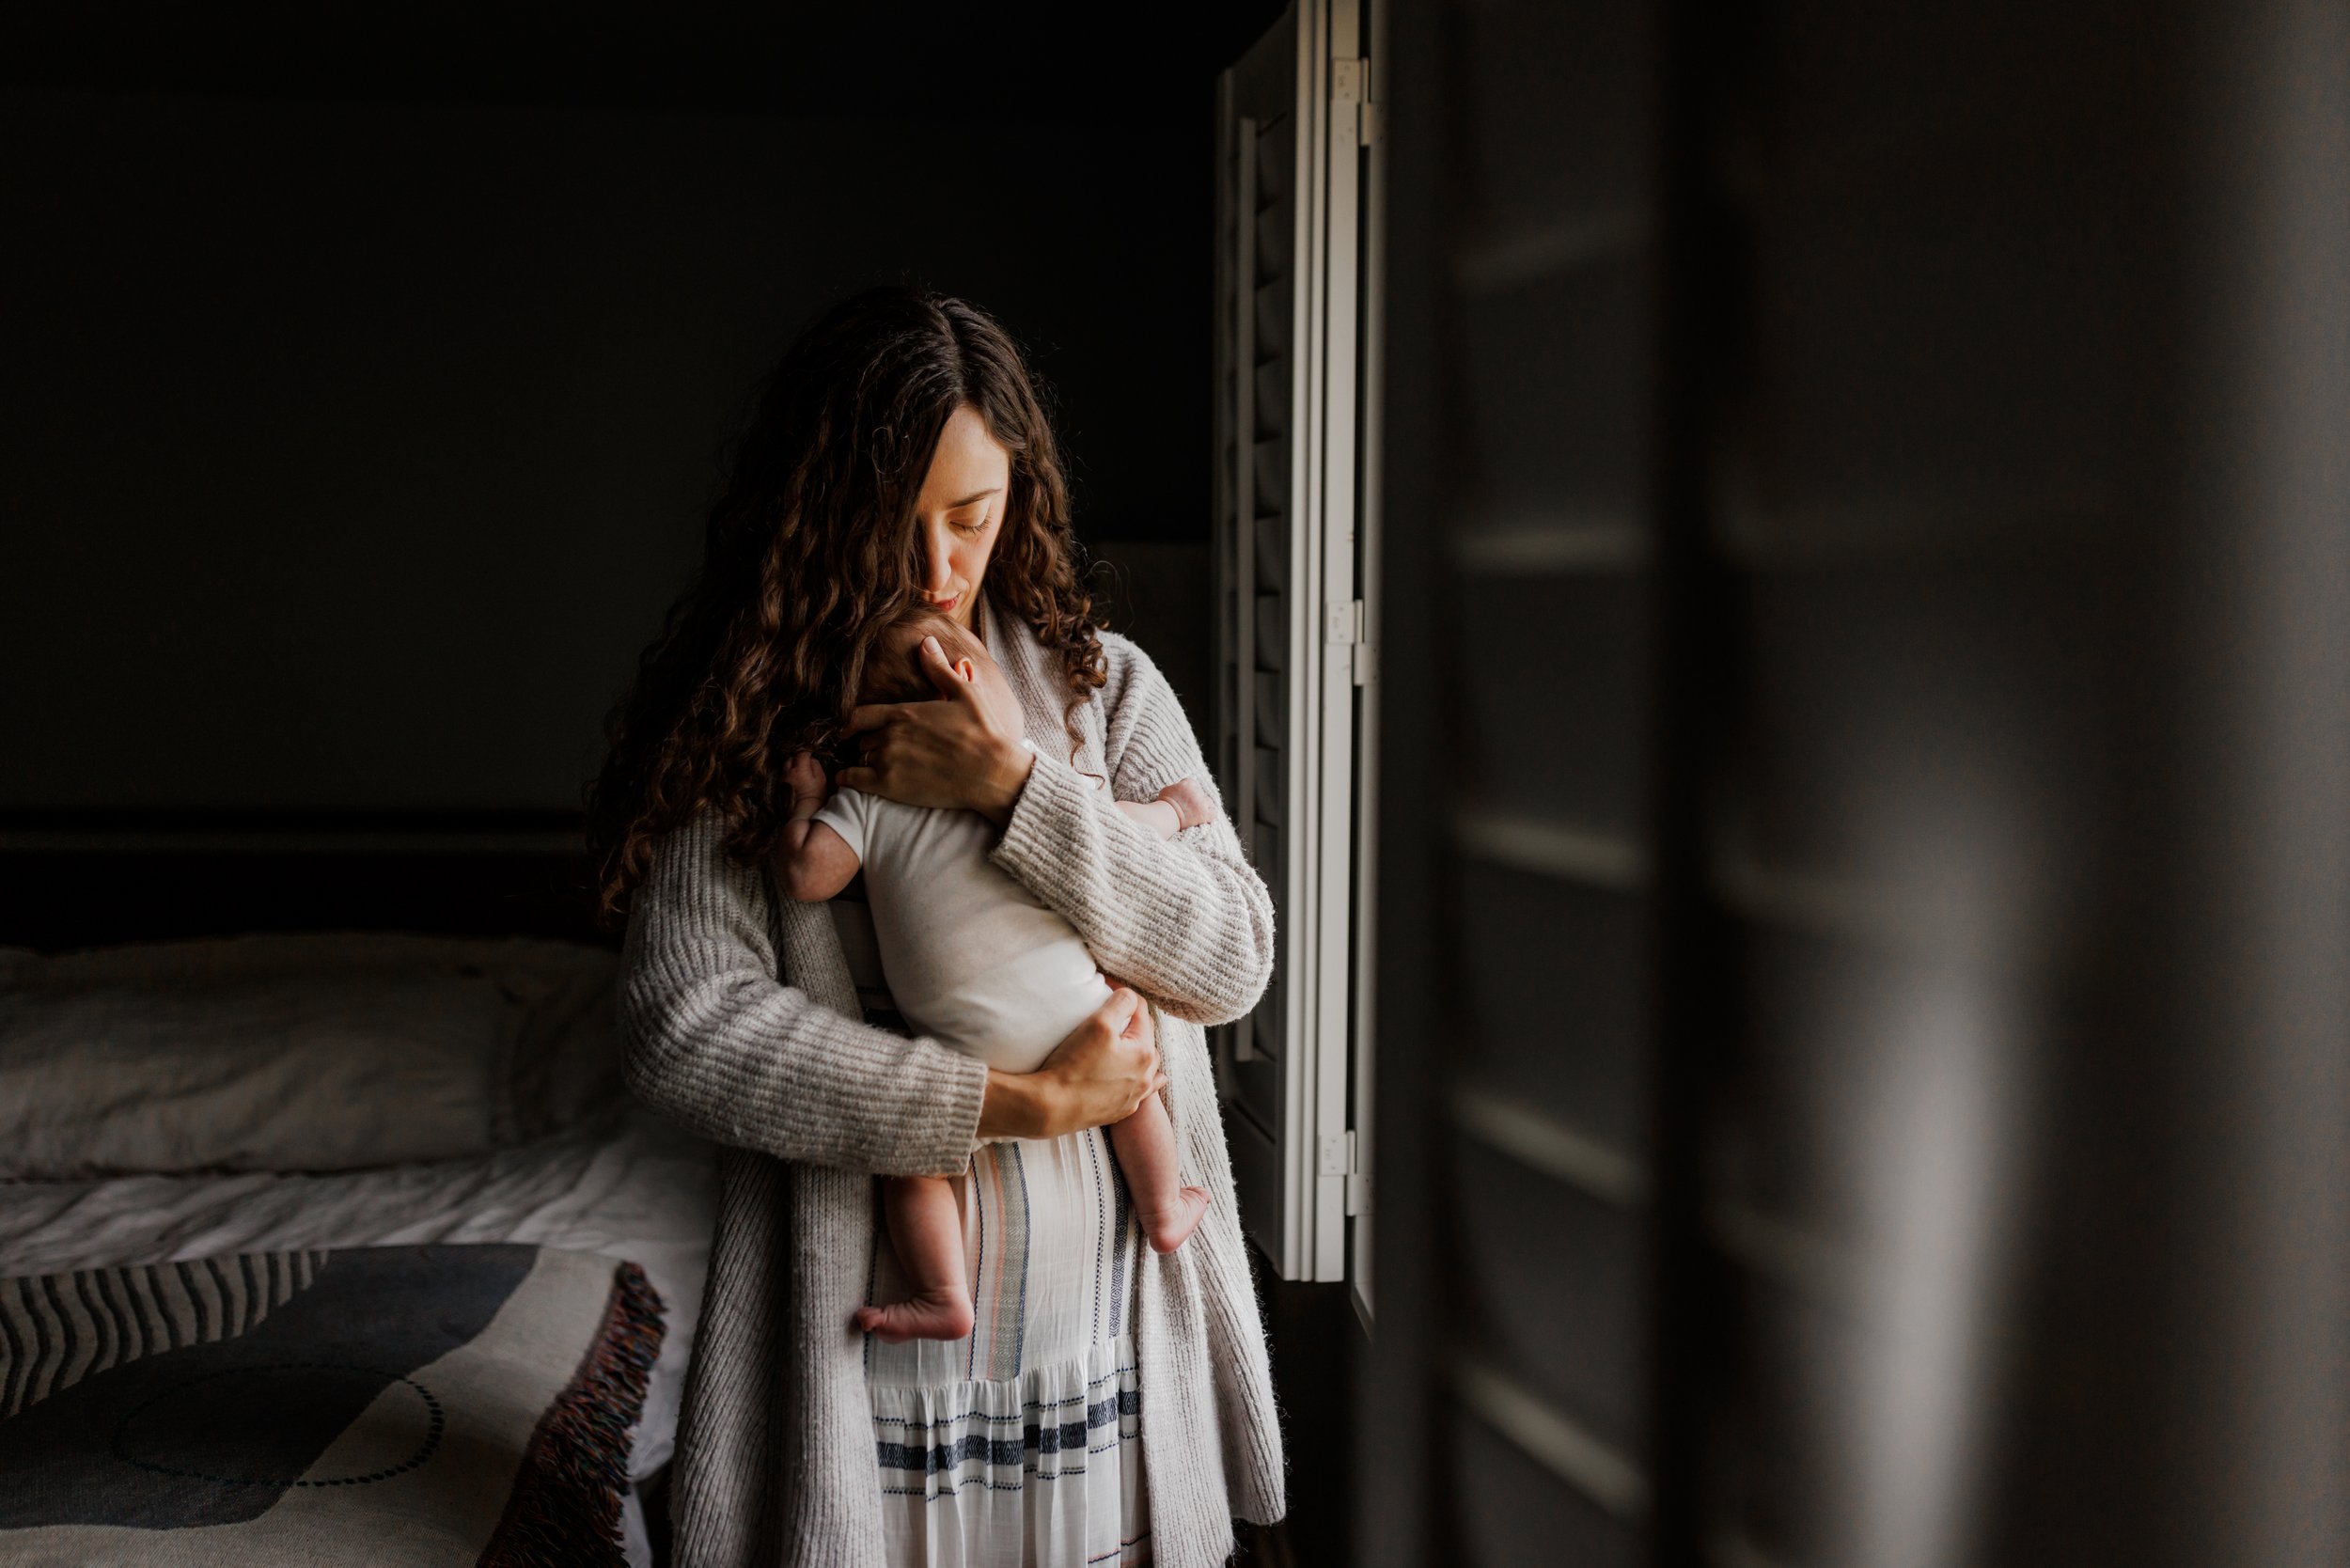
(967, 464)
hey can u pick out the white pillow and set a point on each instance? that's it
(295, 1053)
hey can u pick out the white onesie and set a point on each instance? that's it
(972, 958)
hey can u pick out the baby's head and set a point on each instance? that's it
(893, 671)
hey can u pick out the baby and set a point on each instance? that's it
(973, 960)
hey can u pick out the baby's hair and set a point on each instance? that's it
(895, 673)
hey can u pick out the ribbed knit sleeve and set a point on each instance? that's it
(1186, 920)
(713, 1041)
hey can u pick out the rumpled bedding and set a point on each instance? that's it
(334, 1051)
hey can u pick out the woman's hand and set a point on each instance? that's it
(1101, 1073)
(964, 751)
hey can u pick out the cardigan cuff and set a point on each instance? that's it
(1034, 846)
(947, 1139)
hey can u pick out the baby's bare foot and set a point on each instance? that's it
(1170, 1227)
(931, 1315)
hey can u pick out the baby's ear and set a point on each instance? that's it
(965, 668)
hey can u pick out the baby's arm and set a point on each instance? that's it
(1180, 805)
(812, 862)
(1158, 819)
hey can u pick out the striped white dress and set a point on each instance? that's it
(1021, 1446)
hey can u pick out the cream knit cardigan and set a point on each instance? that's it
(740, 1021)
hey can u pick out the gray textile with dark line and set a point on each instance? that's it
(58, 1329)
(741, 1022)
(275, 1410)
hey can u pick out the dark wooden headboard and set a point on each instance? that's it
(75, 879)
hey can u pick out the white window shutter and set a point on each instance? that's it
(1293, 618)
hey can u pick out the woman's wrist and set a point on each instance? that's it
(1016, 1105)
(1000, 790)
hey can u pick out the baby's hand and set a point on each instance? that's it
(805, 776)
(1193, 809)
(812, 862)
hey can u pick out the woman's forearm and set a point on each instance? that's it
(764, 1067)
(1017, 1105)
(1186, 921)
(996, 790)
(713, 1041)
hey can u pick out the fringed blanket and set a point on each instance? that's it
(390, 1406)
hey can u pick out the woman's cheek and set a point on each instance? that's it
(978, 554)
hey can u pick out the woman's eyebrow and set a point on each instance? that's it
(975, 495)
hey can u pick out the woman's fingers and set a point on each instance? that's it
(957, 753)
(1135, 1019)
(952, 687)
(1102, 1070)
(1120, 1011)
(857, 779)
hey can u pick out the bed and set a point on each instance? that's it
(308, 1240)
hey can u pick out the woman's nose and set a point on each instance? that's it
(938, 570)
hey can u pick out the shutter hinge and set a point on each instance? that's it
(1346, 626)
(1350, 99)
(1337, 1160)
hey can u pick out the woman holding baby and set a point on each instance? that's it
(1035, 1340)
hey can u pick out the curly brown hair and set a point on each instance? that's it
(811, 553)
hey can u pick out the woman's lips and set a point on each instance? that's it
(945, 604)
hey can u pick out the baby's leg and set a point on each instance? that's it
(926, 1228)
(1145, 1142)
